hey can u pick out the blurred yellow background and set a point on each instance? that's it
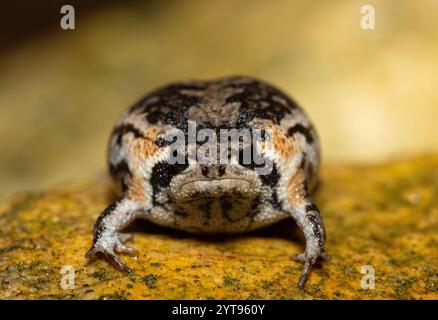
(371, 93)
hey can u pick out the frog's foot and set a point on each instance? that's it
(309, 259)
(108, 244)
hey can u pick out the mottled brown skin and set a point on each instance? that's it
(210, 198)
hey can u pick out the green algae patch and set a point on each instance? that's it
(381, 221)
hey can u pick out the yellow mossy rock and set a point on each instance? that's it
(380, 217)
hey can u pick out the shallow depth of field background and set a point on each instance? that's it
(372, 94)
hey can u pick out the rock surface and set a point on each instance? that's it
(384, 216)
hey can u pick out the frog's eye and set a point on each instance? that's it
(180, 167)
(178, 162)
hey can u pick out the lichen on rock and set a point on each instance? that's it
(378, 218)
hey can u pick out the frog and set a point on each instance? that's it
(210, 197)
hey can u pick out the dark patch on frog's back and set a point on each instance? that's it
(299, 128)
(121, 173)
(162, 174)
(272, 178)
(259, 99)
(169, 104)
(255, 98)
(120, 131)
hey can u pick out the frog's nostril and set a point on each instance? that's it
(204, 170)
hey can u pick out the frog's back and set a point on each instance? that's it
(234, 102)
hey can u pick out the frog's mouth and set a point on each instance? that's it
(214, 188)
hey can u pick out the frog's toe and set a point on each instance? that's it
(309, 259)
(95, 251)
(106, 250)
(115, 260)
(126, 249)
(302, 257)
(91, 253)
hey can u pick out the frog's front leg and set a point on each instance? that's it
(107, 239)
(309, 220)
